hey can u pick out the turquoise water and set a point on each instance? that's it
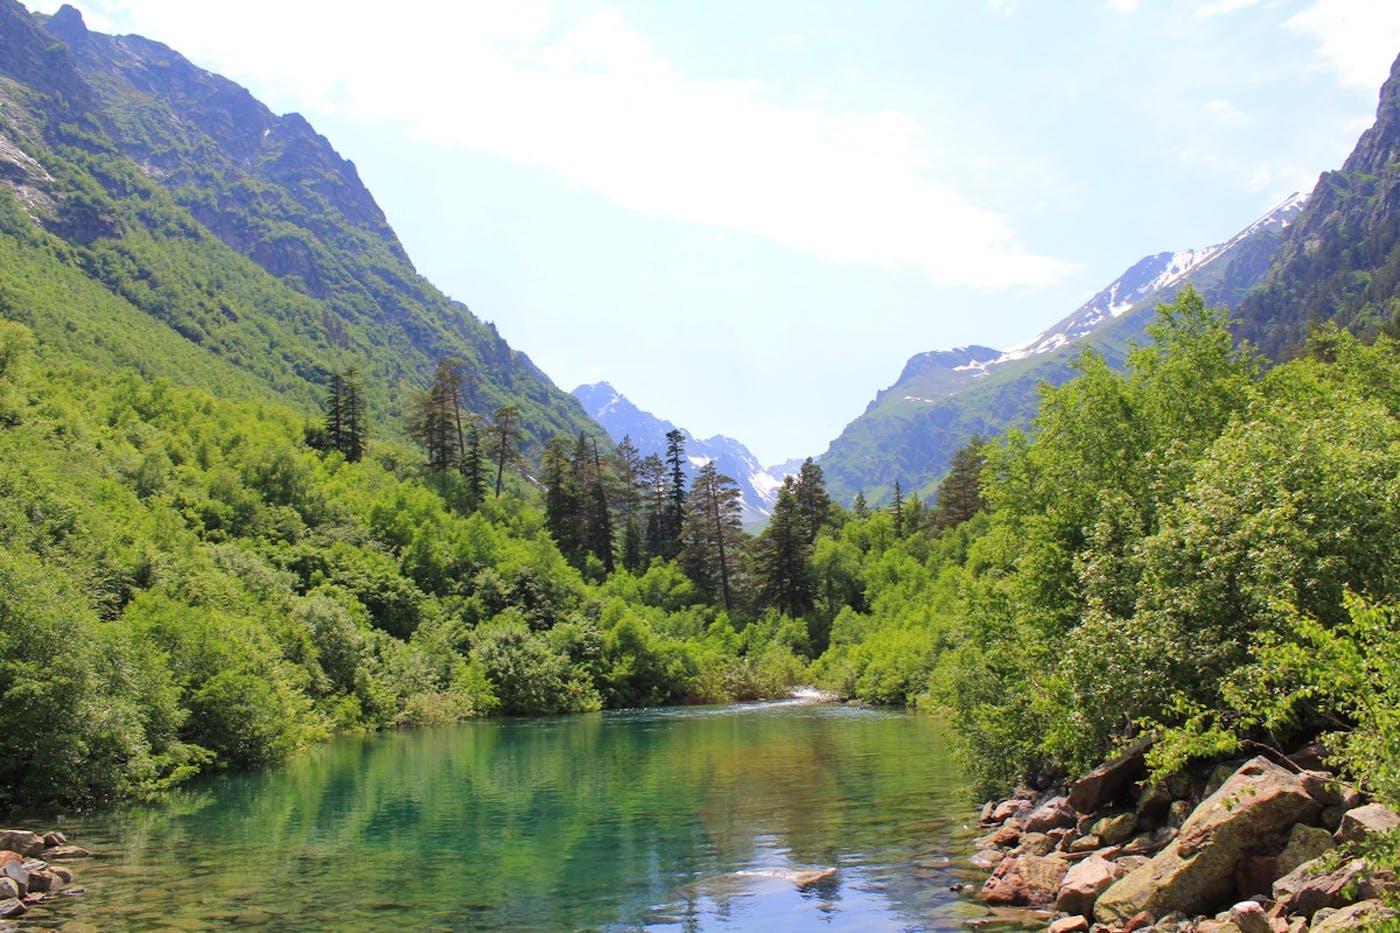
(690, 819)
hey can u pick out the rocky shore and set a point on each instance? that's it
(1271, 844)
(28, 875)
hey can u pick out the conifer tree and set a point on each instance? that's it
(813, 503)
(897, 510)
(435, 418)
(653, 484)
(783, 552)
(713, 534)
(858, 507)
(674, 516)
(960, 495)
(505, 437)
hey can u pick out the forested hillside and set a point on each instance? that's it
(942, 398)
(1341, 261)
(160, 218)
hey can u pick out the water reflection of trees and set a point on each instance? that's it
(531, 824)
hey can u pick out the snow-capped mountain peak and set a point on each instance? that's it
(1152, 275)
(758, 486)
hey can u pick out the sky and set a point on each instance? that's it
(748, 214)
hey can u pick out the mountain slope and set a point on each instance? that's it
(758, 487)
(251, 249)
(942, 398)
(1341, 261)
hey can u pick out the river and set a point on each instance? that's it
(687, 819)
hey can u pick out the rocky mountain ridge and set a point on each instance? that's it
(758, 486)
(943, 397)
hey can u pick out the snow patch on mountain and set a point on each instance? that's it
(758, 487)
(1150, 276)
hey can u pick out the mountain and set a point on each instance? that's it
(943, 397)
(155, 216)
(1341, 261)
(758, 487)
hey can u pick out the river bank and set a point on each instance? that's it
(29, 877)
(1271, 844)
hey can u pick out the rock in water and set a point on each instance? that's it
(1194, 874)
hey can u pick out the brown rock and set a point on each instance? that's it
(1086, 844)
(1069, 925)
(1249, 916)
(1255, 874)
(1310, 888)
(54, 839)
(1362, 915)
(58, 853)
(1374, 819)
(21, 841)
(988, 809)
(8, 856)
(1083, 884)
(1036, 844)
(1110, 779)
(1194, 873)
(1010, 809)
(1139, 921)
(1305, 843)
(12, 907)
(1112, 830)
(1055, 813)
(1027, 881)
(986, 859)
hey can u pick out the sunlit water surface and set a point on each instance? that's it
(689, 819)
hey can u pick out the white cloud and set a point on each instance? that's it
(1204, 9)
(592, 101)
(1224, 110)
(1358, 39)
(1123, 6)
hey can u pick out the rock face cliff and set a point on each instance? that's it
(242, 231)
(1341, 261)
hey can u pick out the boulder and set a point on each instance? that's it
(1083, 884)
(1055, 813)
(1374, 819)
(54, 839)
(1069, 925)
(1363, 915)
(1194, 873)
(1305, 843)
(1036, 844)
(6, 857)
(1011, 809)
(1311, 887)
(1112, 830)
(1110, 779)
(21, 841)
(1250, 917)
(18, 874)
(986, 859)
(12, 907)
(1026, 881)
(58, 853)
(8, 889)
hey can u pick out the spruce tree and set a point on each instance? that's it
(858, 507)
(674, 515)
(712, 534)
(897, 510)
(960, 494)
(783, 552)
(505, 437)
(813, 503)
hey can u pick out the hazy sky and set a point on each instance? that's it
(747, 214)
